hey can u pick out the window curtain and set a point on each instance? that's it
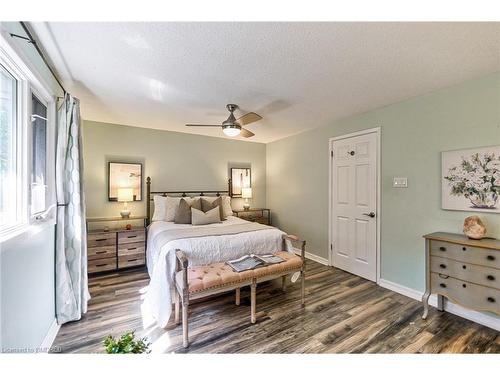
(71, 233)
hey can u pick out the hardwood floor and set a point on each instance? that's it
(343, 314)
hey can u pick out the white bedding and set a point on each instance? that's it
(199, 251)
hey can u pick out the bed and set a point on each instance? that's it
(206, 244)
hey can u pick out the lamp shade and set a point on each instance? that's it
(125, 195)
(246, 192)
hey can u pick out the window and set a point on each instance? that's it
(39, 156)
(9, 213)
(27, 146)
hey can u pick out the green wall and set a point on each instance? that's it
(175, 161)
(413, 134)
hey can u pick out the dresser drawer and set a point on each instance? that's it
(465, 293)
(102, 252)
(131, 260)
(131, 248)
(486, 276)
(100, 265)
(467, 254)
(131, 236)
(101, 239)
(262, 220)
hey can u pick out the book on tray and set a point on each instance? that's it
(252, 261)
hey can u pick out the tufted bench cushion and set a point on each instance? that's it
(203, 281)
(219, 275)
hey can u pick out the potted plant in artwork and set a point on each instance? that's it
(126, 344)
(477, 178)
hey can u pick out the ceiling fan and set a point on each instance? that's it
(232, 126)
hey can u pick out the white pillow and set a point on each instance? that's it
(198, 217)
(160, 207)
(226, 205)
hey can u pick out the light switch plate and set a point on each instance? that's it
(400, 182)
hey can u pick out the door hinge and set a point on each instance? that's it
(331, 153)
(331, 247)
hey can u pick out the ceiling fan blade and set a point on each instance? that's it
(246, 133)
(218, 126)
(248, 118)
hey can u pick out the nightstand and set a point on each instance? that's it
(259, 215)
(115, 248)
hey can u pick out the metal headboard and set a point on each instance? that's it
(187, 193)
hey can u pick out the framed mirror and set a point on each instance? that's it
(124, 175)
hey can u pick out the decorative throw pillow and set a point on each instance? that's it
(206, 206)
(183, 213)
(159, 208)
(199, 217)
(171, 207)
(226, 204)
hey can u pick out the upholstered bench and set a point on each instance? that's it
(202, 281)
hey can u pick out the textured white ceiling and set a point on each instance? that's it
(296, 75)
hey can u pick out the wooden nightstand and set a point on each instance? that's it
(259, 215)
(116, 248)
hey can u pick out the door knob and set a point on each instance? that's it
(371, 214)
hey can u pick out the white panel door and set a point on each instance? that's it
(354, 203)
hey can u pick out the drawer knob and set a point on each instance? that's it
(464, 267)
(491, 299)
(442, 285)
(442, 248)
(490, 257)
(464, 248)
(101, 239)
(442, 266)
(464, 285)
(132, 236)
(490, 277)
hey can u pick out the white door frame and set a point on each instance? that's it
(377, 131)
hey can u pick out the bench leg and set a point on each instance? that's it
(302, 287)
(185, 338)
(283, 283)
(237, 297)
(253, 288)
(177, 307)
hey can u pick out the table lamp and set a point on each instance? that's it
(247, 194)
(125, 195)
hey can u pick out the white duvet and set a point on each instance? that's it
(199, 250)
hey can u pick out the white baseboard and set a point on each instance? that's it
(476, 316)
(314, 257)
(401, 289)
(50, 336)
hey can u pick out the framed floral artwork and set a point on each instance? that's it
(471, 179)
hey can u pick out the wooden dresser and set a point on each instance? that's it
(115, 249)
(465, 271)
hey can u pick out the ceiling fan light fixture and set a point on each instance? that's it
(231, 130)
(232, 127)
